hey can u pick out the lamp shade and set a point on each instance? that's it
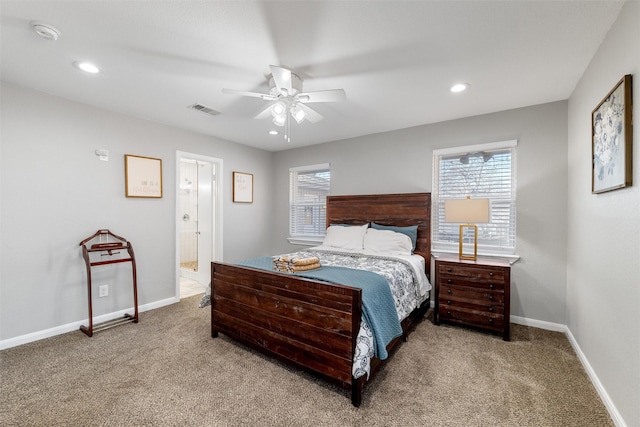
(466, 210)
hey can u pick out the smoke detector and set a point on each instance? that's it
(46, 31)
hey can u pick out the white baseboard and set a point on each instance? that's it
(540, 324)
(613, 411)
(70, 327)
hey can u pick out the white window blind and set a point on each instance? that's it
(479, 171)
(309, 187)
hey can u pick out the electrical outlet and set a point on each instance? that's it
(103, 290)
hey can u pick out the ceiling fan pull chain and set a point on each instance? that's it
(287, 127)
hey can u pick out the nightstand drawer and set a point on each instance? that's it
(465, 281)
(474, 307)
(477, 295)
(494, 322)
(471, 273)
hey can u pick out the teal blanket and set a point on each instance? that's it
(378, 307)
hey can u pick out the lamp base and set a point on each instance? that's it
(461, 254)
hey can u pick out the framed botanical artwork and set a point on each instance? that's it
(612, 139)
(143, 176)
(242, 187)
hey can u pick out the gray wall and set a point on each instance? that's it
(401, 162)
(579, 252)
(603, 269)
(55, 192)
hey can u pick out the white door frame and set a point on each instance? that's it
(216, 194)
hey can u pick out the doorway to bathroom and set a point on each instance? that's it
(198, 228)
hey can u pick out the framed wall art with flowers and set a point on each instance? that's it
(612, 139)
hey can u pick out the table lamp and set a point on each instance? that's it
(467, 211)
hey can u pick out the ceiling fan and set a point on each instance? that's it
(288, 100)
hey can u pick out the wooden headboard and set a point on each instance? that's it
(386, 209)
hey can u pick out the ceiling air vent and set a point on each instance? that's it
(204, 109)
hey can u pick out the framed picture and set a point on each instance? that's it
(242, 187)
(612, 139)
(143, 176)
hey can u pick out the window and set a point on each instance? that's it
(309, 187)
(479, 171)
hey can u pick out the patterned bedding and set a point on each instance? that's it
(407, 281)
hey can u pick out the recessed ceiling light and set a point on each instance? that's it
(460, 87)
(273, 132)
(87, 67)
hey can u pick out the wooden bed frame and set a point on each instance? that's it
(311, 324)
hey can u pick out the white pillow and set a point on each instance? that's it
(387, 242)
(346, 237)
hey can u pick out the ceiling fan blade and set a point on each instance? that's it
(282, 78)
(264, 96)
(332, 95)
(265, 113)
(311, 115)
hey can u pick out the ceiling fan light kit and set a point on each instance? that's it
(287, 99)
(298, 113)
(279, 119)
(279, 108)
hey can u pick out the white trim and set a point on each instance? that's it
(307, 241)
(217, 194)
(310, 167)
(540, 324)
(75, 326)
(512, 258)
(602, 392)
(476, 147)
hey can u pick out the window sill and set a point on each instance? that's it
(512, 258)
(305, 241)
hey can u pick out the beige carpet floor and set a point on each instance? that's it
(168, 371)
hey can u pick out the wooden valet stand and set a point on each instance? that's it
(108, 245)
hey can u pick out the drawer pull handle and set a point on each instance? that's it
(448, 302)
(449, 269)
(490, 308)
(491, 274)
(490, 320)
(448, 291)
(448, 313)
(491, 286)
(449, 281)
(491, 297)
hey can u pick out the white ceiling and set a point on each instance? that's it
(395, 59)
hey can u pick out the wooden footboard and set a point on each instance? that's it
(310, 324)
(307, 323)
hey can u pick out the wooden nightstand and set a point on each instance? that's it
(473, 293)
